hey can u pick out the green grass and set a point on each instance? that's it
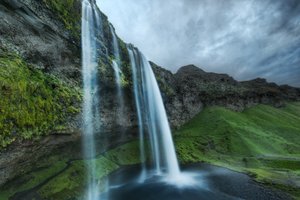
(262, 130)
(32, 103)
(263, 141)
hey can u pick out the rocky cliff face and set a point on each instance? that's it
(42, 38)
(46, 36)
(191, 88)
(40, 81)
(31, 30)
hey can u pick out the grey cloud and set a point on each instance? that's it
(244, 38)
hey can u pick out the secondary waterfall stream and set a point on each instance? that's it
(116, 62)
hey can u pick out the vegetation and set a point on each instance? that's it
(126, 66)
(32, 103)
(164, 87)
(72, 181)
(69, 13)
(255, 141)
(127, 154)
(31, 180)
(262, 141)
(59, 178)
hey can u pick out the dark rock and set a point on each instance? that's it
(22, 156)
(194, 88)
(181, 106)
(31, 30)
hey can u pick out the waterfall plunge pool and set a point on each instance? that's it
(206, 182)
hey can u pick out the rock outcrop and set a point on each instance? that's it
(187, 91)
(31, 30)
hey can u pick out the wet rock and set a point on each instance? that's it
(21, 157)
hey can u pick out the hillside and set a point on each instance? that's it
(262, 141)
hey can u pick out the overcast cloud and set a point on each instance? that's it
(244, 38)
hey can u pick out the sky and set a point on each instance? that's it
(243, 38)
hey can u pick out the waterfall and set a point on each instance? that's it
(152, 117)
(118, 74)
(91, 22)
(138, 93)
(149, 101)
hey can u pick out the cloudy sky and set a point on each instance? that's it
(244, 38)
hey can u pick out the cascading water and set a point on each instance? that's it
(91, 22)
(148, 99)
(118, 73)
(151, 113)
(138, 93)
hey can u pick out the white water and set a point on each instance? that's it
(118, 73)
(163, 150)
(91, 118)
(138, 101)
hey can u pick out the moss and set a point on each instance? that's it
(126, 65)
(73, 181)
(127, 154)
(124, 81)
(32, 103)
(69, 13)
(31, 180)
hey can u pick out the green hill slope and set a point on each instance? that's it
(263, 141)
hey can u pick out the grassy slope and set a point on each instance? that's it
(263, 141)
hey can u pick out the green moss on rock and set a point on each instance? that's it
(32, 103)
(128, 154)
(31, 180)
(69, 13)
